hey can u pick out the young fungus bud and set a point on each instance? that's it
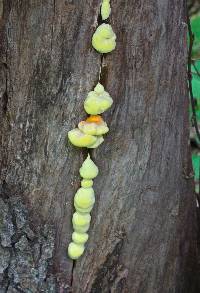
(86, 183)
(88, 169)
(105, 9)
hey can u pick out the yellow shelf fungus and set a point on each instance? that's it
(97, 101)
(104, 39)
(75, 250)
(93, 128)
(105, 9)
(80, 238)
(88, 169)
(80, 139)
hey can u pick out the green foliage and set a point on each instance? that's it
(195, 24)
(196, 164)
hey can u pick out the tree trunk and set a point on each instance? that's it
(142, 237)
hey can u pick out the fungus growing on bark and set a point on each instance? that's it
(105, 9)
(97, 101)
(75, 250)
(104, 39)
(88, 169)
(80, 139)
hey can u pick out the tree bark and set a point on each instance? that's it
(143, 232)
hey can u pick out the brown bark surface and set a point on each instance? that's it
(142, 237)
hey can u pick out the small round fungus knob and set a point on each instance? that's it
(75, 250)
(80, 238)
(86, 183)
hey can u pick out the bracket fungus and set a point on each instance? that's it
(94, 125)
(97, 101)
(104, 39)
(80, 139)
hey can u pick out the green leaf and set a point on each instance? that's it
(195, 164)
(195, 25)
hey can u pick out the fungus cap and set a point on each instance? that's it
(104, 39)
(97, 101)
(80, 139)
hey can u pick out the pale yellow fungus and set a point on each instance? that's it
(84, 198)
(83, 210)
(80, 238)
(93, 128)
(81, 229)
(104, 39)
(81, 219)
(97, 101)
(80, 139)
(75, 250)
(86, 183)
(105, 9)
(88, 169)
(99, 141)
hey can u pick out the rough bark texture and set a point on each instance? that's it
(142, 237)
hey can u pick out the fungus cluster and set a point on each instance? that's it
(84, 200)
(89, 134)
